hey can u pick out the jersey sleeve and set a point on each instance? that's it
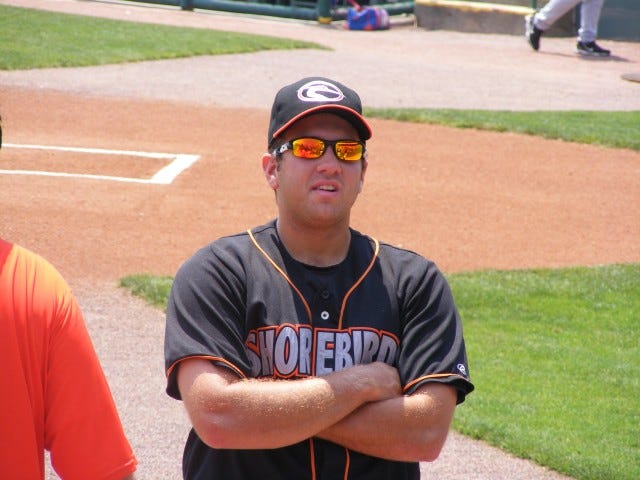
(204, 313)
(432, 347)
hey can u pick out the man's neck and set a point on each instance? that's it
(319, 247)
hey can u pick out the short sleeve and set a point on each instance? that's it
(432, 347)
(83, 430)
(205, 311)
(61, 399)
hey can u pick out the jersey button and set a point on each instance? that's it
(324, 315)
(325, 294)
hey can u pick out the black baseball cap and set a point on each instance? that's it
(314, 95)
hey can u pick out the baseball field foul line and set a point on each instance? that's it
(164, 176)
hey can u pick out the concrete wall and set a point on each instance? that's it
(481, 17)
(620, 19)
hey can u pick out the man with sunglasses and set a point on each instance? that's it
(303, 349)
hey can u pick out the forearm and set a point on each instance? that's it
(407, 428)
(270, 414)
(250, 414)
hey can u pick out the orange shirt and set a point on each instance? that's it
(53, 392)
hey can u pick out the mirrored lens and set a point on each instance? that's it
(308, 147)
(348, 151)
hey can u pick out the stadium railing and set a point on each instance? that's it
(323, 11)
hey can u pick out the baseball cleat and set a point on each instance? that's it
(592, 49)
(532, 32)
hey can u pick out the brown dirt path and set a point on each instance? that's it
(467, 199)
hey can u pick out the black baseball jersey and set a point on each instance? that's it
(244, 303)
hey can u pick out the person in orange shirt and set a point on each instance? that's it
(53, 393)
(55, 396)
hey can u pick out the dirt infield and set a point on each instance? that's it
(466, 199)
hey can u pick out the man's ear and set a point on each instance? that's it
(270, 169)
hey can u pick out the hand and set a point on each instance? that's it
(378, 380)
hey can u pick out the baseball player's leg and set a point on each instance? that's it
(588, 32)
(535, 25)
(552, 12)
(589, 18)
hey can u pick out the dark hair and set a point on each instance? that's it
(273, 149)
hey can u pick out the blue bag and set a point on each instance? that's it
(367, 18)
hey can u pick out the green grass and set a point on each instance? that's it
(154, 290)
(610, 129)
(35, 39)
(555, 360)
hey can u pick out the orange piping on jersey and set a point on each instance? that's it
(282, 272)
(347, 464)
(308, 309)
(312, 452)
(427, 377)
(207, 357)
(359, 281)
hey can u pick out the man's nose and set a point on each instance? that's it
(328, 162)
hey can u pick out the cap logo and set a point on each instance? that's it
(320, 91)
